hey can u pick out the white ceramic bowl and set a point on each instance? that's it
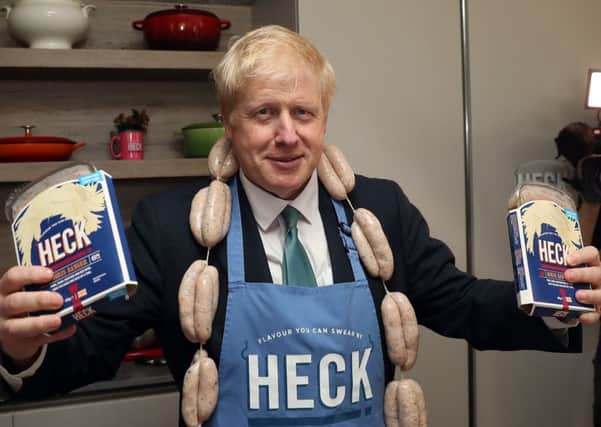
(48, 24)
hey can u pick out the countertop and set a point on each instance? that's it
(131, 379)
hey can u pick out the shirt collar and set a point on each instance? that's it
(266, 207)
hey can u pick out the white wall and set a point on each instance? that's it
(397, 114)
(529, 64)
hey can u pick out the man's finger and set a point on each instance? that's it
(29, 327)
(590, 275)
(589, 318)
(19, 303)
(587, 255)
(16, 277)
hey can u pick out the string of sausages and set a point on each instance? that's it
(404, 404)
(198, 297)
(210, 215)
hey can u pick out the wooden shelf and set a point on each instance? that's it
(118, 169)
(95, 59)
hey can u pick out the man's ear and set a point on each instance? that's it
(227, 123)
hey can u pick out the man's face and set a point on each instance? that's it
(277, 131)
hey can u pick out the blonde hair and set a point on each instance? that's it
(266, 54)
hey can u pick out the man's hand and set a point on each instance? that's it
(22, 336)
(588, 255)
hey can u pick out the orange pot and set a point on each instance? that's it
(32, 148)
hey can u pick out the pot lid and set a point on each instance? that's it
(29, 138)
(181, 9)
(36, 140)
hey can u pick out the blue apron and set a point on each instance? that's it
(297, 356)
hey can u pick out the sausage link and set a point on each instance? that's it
(204, 303)
(222, 161)
(208, 388)
(407, 407)
(391, 413)
(190, 395)
(214, 214)
(196, 214)
(186, 298)
(421, 403)
(198, 219)
(410, 329)
(330, 179)
(215, 293)
(227, 217)
(365, 252)
(372, 229)
(393, 331)
(341, 166)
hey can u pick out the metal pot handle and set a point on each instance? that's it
(77, 146)
(138, 25)
(27, 129)
(224, 24)
(7, 9)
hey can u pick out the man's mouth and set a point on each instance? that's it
(285, 159)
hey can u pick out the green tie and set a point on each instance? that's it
(296, 268)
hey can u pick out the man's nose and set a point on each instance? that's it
(286, 131)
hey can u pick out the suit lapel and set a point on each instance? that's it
(256, 266)
(341, 267)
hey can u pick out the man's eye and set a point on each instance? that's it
(301, 112)
(264, 112)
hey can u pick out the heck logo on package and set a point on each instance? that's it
(555, 233)
(70, 202)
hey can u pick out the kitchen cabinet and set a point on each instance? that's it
(138, 395)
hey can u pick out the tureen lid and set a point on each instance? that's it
(181, 9)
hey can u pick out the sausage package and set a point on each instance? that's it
(543, 229)
(70, 222)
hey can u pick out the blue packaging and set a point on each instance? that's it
(74, 227)
(541, 235)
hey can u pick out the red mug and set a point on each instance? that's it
(130, 145)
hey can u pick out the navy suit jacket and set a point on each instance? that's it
(446, 300)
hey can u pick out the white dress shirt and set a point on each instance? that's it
(266, 209)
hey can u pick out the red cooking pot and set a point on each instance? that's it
(182, 28)
(31, 148)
